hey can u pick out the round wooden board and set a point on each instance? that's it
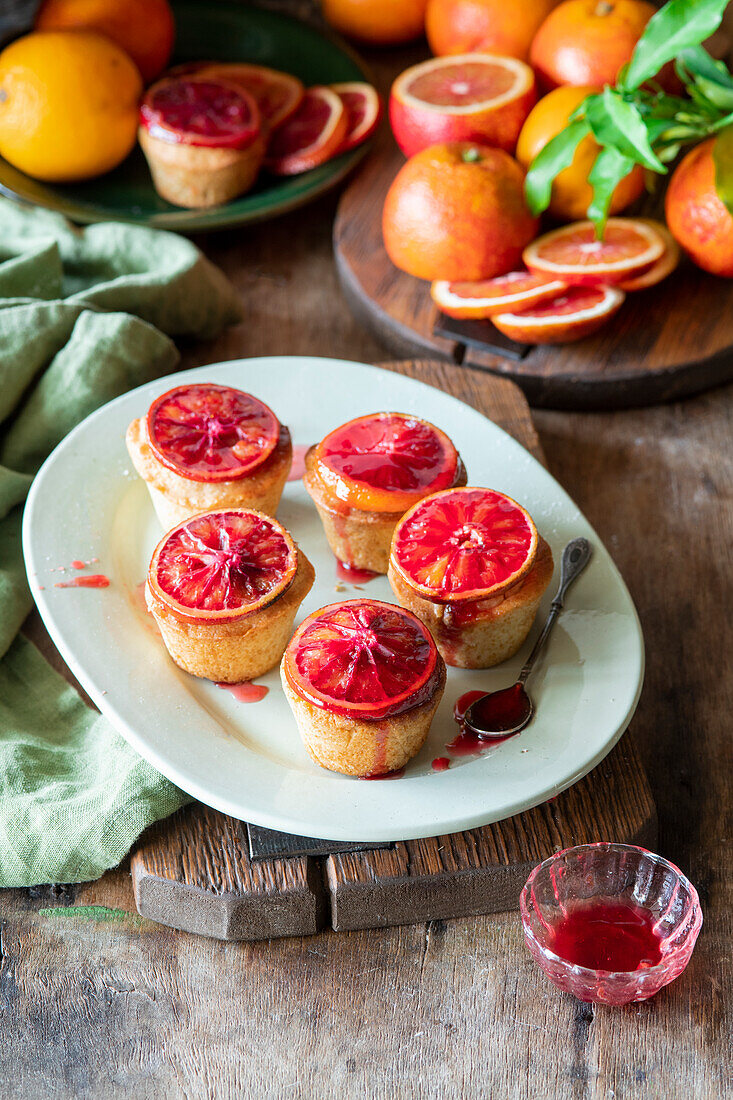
(667, 342)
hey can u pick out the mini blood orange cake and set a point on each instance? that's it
(203, 139)
(204, 446)
(364, 680)
(224, 589)
(470, 564)
(365, 475)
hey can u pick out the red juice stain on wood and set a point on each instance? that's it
(441, 764)
(298, 467)
(246, 692)
(351, 575)
(606, 934)
(95, 580)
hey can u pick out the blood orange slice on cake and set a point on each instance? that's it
(277, 94)
(362, 658)
(364, 111)
(574, 254)
(194, 110)
(312, 135)
(220, 565)
(211, 433)
(574, 313)
(385, 462)
(464, 544)
(514, 291)
(471, 97)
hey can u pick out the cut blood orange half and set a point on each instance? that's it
(471, 97)
(385, 462)
(516, 290)
(664, 266)
(364, 659)
(276, 94)
(364, 111)
(193, 110)
(464, 544)
(574, 255)
(312, 135)
(576, 312)
(221, 565)
(211, 433)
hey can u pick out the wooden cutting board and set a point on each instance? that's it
(194, 871)
(667, 342)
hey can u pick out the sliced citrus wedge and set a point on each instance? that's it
(385, 462)
(221, 565)
(514, 291)
(193, 110)
(464, 544)
(211, 433)
(312, 135)
(470, 97)
(664, 266)
(276, 94)
(364, 111)
(574, 255)
(364, 659)
(576, 312)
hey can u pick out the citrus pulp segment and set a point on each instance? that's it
(575, 255)
(515, 290)
(577, 312)
(312, 135)
(363, 658)
(363, 109)
(207, 432)
(385, 462)
(464, 544)
(276, 94)
(220, 565)
(197, 111)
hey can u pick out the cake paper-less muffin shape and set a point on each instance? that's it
(224, 589)
(202, 446)
(471, 565)
(364, 680)
(364, 475)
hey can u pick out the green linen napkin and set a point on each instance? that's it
(85, 315)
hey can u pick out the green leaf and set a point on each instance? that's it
(616, 122)
(723, 161)
(697, 61)
(556, 155)
(679, 24)
(609, 169)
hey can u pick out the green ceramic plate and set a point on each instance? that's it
(221, 31)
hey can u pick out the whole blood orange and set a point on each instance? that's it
(571, 192)
(464, 544)
(68, 104)
(471, 97)
(588, 41)
(574, 255)
(490, 26)
(380, 22)
(143, 28)
(363, 658)
(571, 315)
(457, 212)
(697, 217)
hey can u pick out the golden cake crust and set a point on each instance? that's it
(177, 498)
(354, 746)
(240, 649)
(198, 176)
(481, 633)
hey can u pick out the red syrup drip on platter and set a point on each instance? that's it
(298, 467)
(77, 563)
(441, 764)
(95, 580)
(351, 575)
(397, 774)
(246, 692)
(468, 743)
(607, 935)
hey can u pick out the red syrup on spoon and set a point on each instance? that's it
(246, 692)
(607, 935)
(468, 743)
(298, 467)
(350, 574)
(95, 580)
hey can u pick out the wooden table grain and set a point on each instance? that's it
(97, 1003)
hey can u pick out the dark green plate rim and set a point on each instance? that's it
(277, 198)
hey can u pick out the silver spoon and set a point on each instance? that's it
(513, 709)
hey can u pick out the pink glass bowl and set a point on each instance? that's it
(616, 873)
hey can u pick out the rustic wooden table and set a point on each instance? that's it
(104, 1004)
